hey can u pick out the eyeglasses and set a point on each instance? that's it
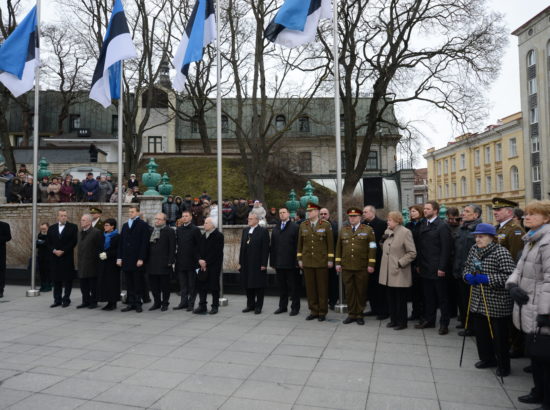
(324, 213)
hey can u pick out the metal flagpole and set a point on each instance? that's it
(36, 141)
(223, 300)
(341, 307)
(120, 135)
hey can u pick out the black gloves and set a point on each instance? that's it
(519, 295)
(543, 320)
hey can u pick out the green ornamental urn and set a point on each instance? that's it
(43, 170)
(165, 188)
(308, 197)
(151, 178)
(292, 204)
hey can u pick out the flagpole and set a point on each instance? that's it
(119, 141)
(341, 307)
(33, 291)
(223, 300)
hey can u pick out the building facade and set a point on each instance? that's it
(477, 167)
(534, 63)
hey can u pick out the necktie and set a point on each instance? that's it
(353, 229)
(283, 226)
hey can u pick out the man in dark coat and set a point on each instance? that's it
(132, 182)
(162, 256)
(188, 237)
(61, 240)
(5, 236)
(434, 256)
(253, 258)
(90, 245)
(211, 264)
(284, 240)
(90, 188)
(241, 212)
(333, 285)
(376, 293)
(133, 248)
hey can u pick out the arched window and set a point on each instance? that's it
(464, 186)
(531, 58)
(514, 178)
(280, 122)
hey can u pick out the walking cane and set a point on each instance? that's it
(466, 326)
(491, 332)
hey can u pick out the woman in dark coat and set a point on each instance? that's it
(109, 272)
(253, 263)
(416, 212)
(43, 258)
(66, 192)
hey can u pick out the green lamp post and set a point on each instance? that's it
(292, 204)
(43, 170)
(151, 178)
(308, 197)
(165, 188)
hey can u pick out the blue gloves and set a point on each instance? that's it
(479, 279)
(482, 279)
(470, 279)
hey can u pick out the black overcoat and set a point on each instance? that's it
(133, 244)
(109, 273)
(211, 250)
(5, 236)
(162, 253)
(254, 253)
(379, 226)
(62, 267)
(434, 251)
(188, 238)
(282, 252)
(90, 245)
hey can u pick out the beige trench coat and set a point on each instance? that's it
(398, 252)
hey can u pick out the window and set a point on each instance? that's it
(304, 161)
(225, 124)
(513, 148)
(534, 115)
(439, 192)
(478, 186)
(532, 86)
(453, 164)
(514, 178)
(535, 144)
(114, 124)
(303, 124)
(488, 154)
(74, 122)
(439, 168)
(488, 184)
(498, 152)
(372, 160)
(531, 58)
(419, 199)
(454, 189)
(446, 190)
(536, 173)
(446, 166)
(477, 158)
(463, 186)
(500, 183)
(195, 124)
(280, 122)
(155, 144)
(462, 161)
(489, 214)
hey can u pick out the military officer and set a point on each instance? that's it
(316, 256)
(509, 232)
(355, 260)
(97, 223)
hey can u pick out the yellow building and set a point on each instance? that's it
(477, 167)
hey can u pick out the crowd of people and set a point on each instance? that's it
(482, 274)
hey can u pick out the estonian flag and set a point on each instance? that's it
(19, 56)
(296, 22)
(117, 46)
(200, 31)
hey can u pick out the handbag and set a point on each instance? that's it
(537, 346)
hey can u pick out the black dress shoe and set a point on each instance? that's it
(360, 321)
(257, 311)
(391, 324)
(139, 309)
(179, 307)
(200, 311)
(92, 306)
(530, 399)
(503, 372)
(82, 306)
(213, 310)
(311, 317)
(65, 304)
(279, 311)
(424, 325)
(189, 309)
(485, 364)
(321, 318)
(348, 320)
(369, 313)
(293, 313)
(163, 308)
(154, 307)
(443, 330)
(400, 327)
(248, 309)
(55, 304)
(108, 307)
(466, 332)
(382, 317)
(127, 309)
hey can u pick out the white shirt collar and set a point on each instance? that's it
(433, 219)
(505, 222)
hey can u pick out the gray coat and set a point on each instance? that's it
(90, 245)
(532, 274)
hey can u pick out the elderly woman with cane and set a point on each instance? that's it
(486, 270)
(529, 286)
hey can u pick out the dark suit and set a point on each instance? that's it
(211, 251)
(109, 274)
(187, 260)
(62, 267)
(90, 245)
(376, 293)
(5, 236)
(254, 254)
(162, 255)
(433, 254)
(134, 246)
(282, 258)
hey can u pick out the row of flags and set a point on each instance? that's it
(294, 24)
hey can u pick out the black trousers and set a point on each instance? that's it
(255, 298)
(332, 287)
(417, 295)
(187, 279)
(452, 295)
(2, 277)
(135, 280)
(202, 289)
(488, 349)
(541, 378)
(160, 287)
(462, 296)
(377, 296)
(44, 272)
(435, 295)
(397, 304)
(289, 285)
(58, 295)
(88, 288)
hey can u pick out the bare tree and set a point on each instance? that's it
(438, 52)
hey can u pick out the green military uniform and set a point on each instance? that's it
(356, 252)
(99, 224)
(315, 251)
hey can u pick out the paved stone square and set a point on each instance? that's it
(65, 358)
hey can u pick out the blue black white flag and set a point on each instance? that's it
(296, 22)
(19, 56)
(117, 46)
(200, 31)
